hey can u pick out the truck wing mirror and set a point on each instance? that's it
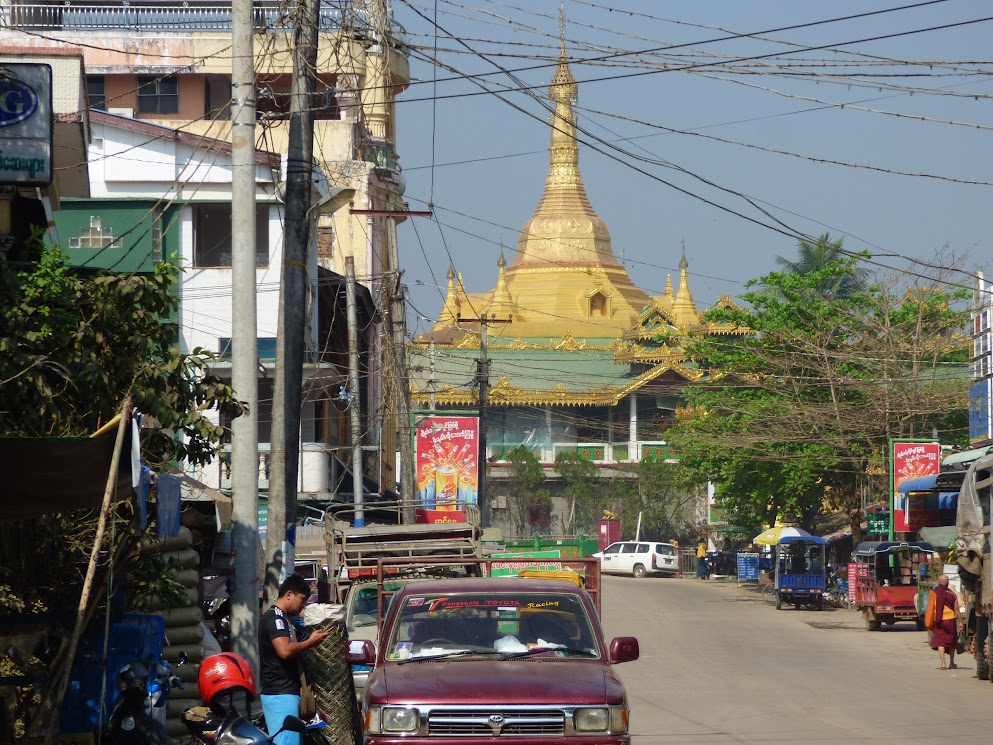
(624, 649)
(364, 652)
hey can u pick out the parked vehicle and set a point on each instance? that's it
(226, 682)
(887, 574)
(138, 716)
(720, 563)
(488, 659)
(836, 590)
(639, 558)
(973, 554)
(353, 553)
(800, 572)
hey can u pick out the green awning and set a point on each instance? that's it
(966, 456)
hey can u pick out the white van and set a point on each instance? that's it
(639, 558)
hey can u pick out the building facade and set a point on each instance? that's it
(168, 65)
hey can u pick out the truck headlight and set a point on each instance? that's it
(591, 720)
(396, 719)
(618, 720)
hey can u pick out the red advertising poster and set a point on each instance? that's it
(911, 460)
(446, 451)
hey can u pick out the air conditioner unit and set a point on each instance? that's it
(121, 112)
(500, 502)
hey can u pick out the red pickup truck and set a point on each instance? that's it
(480, 659)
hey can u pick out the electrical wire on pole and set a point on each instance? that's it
(244, 344)
(292, 317)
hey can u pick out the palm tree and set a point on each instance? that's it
(817, 255)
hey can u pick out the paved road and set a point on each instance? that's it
(721, 665)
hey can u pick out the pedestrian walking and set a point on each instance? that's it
(279, 653)
(701, 560)
(942, 619)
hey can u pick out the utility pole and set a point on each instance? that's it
(354, 396)
(244, 344)
(394, 310)
(483, 381)
(483, 376)
(398, 317)
(292, 319)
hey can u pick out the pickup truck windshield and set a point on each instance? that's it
(506, 623)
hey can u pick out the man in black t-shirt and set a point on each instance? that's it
(278, 652)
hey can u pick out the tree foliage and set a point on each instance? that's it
(530, 500)
(73, 344)
(581, 488)
(818, 255)
(799, 407)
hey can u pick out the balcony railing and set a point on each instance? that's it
(314, 473)
(180, 17)
(597, 452)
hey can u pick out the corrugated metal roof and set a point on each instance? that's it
(535, 370)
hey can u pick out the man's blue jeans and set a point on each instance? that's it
(276, 709)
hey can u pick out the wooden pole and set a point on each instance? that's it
(50, 706)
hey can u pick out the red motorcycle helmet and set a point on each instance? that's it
(222, 674)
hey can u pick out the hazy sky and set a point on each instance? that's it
(490, 158)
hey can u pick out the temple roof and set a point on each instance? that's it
(530, 373)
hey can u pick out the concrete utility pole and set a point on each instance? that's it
(394, 312)
(244, 344)
(483, 375)
(292, 320)
(354, 396)
(398, 317)
(483, 381)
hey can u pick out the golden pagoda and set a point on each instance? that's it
(564, 277)
(580, 357)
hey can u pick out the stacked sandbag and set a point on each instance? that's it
(330, 674)
(183, 630)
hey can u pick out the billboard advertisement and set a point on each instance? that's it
(26, 123)
(980, 414)
(446, 454)
(910, 460)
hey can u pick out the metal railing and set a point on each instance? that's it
(167, 17)
(597, 452)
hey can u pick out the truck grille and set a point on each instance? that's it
(495, 722)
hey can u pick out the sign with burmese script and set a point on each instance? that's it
(26, 124)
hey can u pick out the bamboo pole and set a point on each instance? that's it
(49, 707)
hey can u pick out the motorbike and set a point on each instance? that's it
(138, 716)
(719, 563)
(836, 591)
(218, 611)
(232, 728)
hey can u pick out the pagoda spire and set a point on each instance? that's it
(450, 311)
(668, 285)
(684, 309)
(501, 305)
(460, 297)
(564, 229)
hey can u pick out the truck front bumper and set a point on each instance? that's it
(506, 740)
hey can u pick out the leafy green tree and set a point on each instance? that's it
(529, 498)
(819, 254)
(581, 489)
(806, 399)
(670, 494)
(74, 344)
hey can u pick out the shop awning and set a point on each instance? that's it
(833, 537)
(921, 483)
(948, 500)
(966, 456)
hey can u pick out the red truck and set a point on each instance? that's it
(479, 659)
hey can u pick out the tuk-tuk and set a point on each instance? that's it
(800, 571)
(887, 575)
